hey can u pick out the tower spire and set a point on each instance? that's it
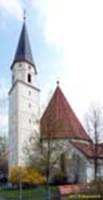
(23, 52)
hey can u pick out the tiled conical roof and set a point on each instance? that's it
(60, 121)
(23, 52)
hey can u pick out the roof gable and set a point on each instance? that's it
(60, 121)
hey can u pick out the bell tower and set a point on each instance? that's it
(23, 99)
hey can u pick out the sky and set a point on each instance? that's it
(66, 38)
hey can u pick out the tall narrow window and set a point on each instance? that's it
(13, 78)
(29, 78)
(29, 92)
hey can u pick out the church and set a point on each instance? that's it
(58, 117)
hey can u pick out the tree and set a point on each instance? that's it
(3, 158)
(41, 153)
(45, 155)
(25, 175)
(94, 125)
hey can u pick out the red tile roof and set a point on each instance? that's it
(60, 121)
(89, 149)
(69, 189)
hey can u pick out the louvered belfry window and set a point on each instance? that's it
(29, 78)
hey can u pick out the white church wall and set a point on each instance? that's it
(90, 170)
(76, 165)
(76, 162)
(13, 120)
(28, 113)
(23, 116)
(100, 169)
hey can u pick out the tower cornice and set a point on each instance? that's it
(20, 81)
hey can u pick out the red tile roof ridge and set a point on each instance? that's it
(88, 149)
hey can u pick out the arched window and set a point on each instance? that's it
(29, 78)
(20, 65)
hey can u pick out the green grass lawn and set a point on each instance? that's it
(38, 193)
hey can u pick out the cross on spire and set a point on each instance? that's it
(24, 15)
(58, 83)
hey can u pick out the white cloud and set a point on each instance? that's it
(76, 28)
(13, 7)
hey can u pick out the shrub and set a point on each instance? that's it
(25, 175)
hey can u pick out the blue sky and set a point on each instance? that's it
(44, 54)
(67, 43)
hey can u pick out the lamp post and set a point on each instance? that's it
(20, 183)
(48, 171)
